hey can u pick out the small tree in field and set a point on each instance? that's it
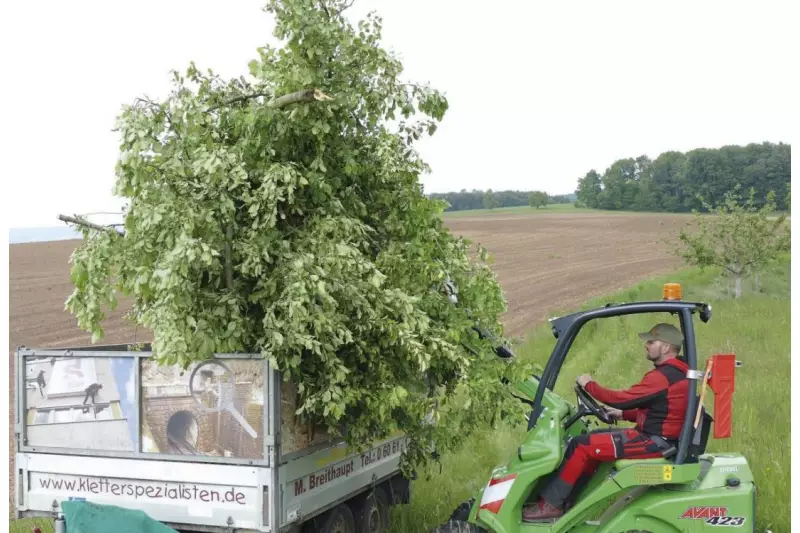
(736, 236)
(489, 200)
(538, 199)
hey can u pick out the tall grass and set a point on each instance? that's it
(756, 328)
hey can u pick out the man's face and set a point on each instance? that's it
(654, 350)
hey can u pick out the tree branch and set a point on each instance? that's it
(346, 6)
(304, 96)
(237, 99)
(85, 223)
(325, 8)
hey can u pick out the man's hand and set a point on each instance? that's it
(615, 414)
(584, 379)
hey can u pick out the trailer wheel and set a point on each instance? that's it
(372, 512)
(339, 520)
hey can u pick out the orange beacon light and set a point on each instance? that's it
(672, 291)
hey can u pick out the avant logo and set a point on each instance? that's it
(714, 516)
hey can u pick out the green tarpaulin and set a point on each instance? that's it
(87, 517)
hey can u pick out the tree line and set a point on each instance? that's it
(676, 181)
(475, 199)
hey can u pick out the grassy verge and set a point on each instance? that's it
(27, 525)
(756, 328)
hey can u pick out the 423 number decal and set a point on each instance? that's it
(726, 521)
(713, 516)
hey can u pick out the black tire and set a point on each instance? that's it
(458, 526)
(372, 512)
(338, 520)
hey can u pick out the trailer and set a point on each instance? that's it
(213, 448)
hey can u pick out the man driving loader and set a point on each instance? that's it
(657, 404)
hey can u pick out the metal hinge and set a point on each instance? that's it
(695, 374)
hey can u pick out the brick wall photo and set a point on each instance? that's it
(178, 425)
(157, 413)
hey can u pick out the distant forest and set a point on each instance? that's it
(673, 180)
(463, 200)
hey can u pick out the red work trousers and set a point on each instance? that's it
(586, 452)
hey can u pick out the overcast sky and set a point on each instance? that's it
(539, 93)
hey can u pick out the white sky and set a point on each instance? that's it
(539, 93)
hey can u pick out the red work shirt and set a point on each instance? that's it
(657, 403)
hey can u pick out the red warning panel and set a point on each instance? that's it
(723, 383)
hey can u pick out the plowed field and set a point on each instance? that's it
(548, 262)
(544, 262)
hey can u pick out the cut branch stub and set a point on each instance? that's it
(304, 96)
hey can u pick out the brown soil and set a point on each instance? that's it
(550, 262)
(545, 263)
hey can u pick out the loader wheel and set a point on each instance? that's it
(458, 526)
(461, 513)
(372, 512)
(339, 520)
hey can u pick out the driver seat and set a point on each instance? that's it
(668, 455)
(697, 447)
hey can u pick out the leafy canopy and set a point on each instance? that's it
(538, 199)
(283, 214)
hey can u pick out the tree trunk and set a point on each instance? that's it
(758, 282)
(229, 256)
(738, 290)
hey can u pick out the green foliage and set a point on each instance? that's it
(489, 201)
(468, 200)
(589, 189)
(739, 237)
(538, 199)
(674, 180)
(264, 216)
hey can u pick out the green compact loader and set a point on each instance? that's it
(685, 490)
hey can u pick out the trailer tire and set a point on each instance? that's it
(372, 512)
(339, 520)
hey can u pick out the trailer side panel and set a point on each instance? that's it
(184, 493)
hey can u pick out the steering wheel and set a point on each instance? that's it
(590, 406)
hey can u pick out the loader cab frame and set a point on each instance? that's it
(566, 329)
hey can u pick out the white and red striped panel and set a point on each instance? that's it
(495, 493)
